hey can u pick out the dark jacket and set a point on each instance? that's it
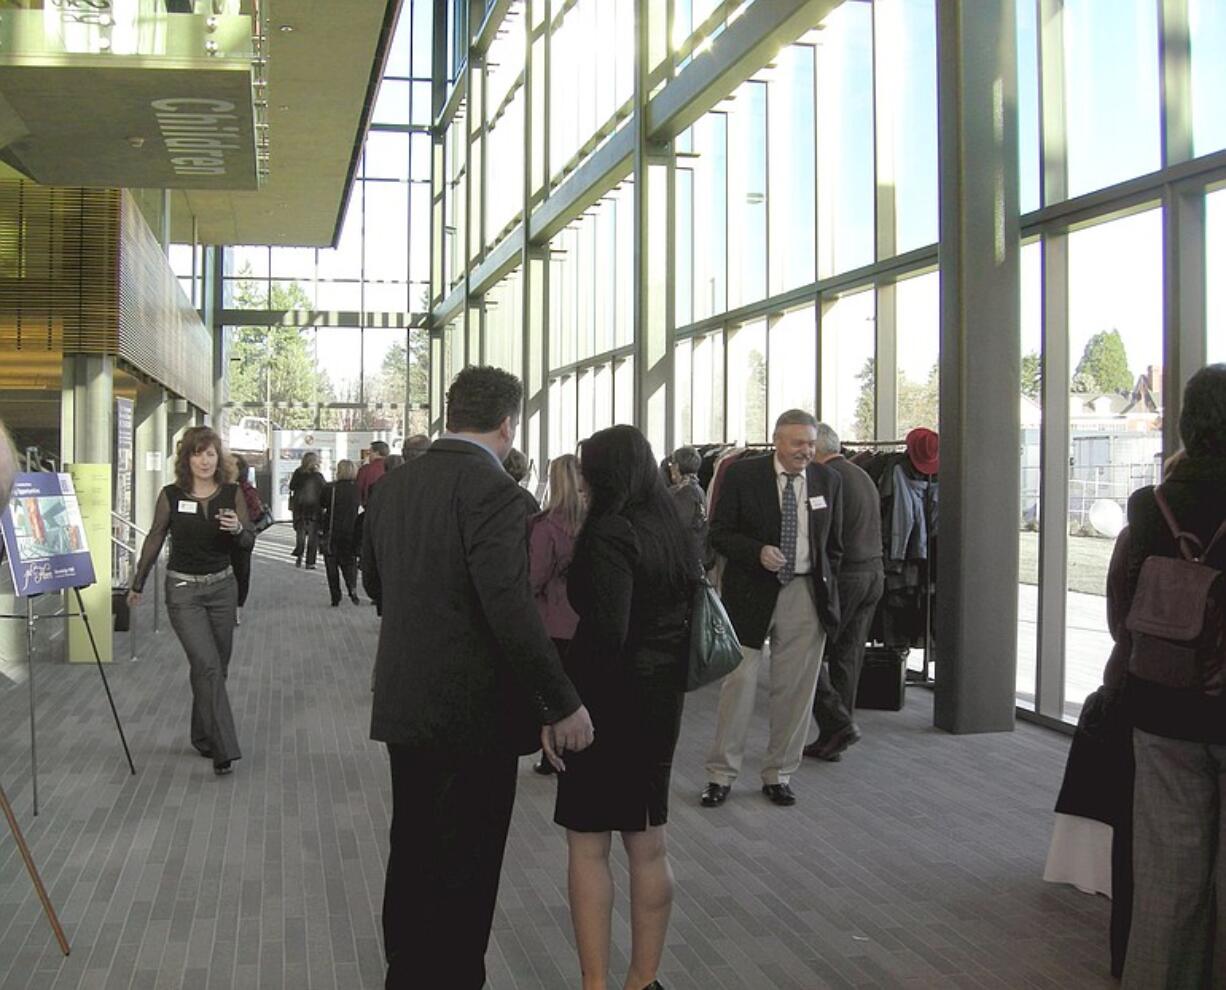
(305, 490)
(747, 518)
(338, 516)
(1196, 493)
(861, 516)
(463, 663)
(691, 502)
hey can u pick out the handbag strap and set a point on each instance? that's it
(1183, 537)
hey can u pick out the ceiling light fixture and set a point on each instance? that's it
(286, 28)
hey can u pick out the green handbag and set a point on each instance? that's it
(715, 651)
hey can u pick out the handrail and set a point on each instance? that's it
(117, 517)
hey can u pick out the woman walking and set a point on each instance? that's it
(337, 524)
(205, 519)
(629, 583)
(551, 544)
(306, 487)
(240, 557)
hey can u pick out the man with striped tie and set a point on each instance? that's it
(778, 522)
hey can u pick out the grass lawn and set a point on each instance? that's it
(1088, 558)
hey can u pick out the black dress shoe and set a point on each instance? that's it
(814, 749)
(780, 794)
(715, 794)
(831, 748)
(221, 769)
(353, 597)
(336, 603)
(654, 985)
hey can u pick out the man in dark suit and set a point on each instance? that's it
(778, 521)
(861, 582)
(465, 678)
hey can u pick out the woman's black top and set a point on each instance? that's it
(627, 662)
(198, 544)
(338, 517)
(1196, 492)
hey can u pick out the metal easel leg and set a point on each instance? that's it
(102, 672)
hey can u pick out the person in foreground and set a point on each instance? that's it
(1179, 733)
(205, 519)
(630, 583)
(466, 679)
(779, 523)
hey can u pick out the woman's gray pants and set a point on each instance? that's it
(203, 618)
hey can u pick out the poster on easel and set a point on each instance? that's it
(45, 535)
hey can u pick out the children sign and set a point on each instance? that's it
(45, 536)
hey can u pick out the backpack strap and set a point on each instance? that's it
(1181, 536)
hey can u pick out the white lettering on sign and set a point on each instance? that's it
(197, 132)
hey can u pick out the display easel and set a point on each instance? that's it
(33, 871)
(31, 621)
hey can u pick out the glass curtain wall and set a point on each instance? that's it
(336, 338)
(775, 245)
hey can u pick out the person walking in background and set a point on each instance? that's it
(414, 447)
(779, 524)
(371, 471)
(519, 467)
(466, 679)
(1178, 932)
(240, 556)
(630, 583)
(551, 544)
(861, 583)
(205, 519)
(306, 486)
(337, 526)
(691, 500)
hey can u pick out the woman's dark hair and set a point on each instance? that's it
(480, 398)
(623, 478)
(1202, 420)
(195, 440)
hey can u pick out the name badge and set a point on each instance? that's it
(817, 502)
(185, 506)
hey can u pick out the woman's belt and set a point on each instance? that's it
(201, 578)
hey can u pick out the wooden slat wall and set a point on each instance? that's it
(159, 331)
(81, 272)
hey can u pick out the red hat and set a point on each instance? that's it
(924, 450)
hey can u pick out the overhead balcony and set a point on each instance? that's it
(135, 93)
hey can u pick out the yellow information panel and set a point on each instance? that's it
(93, 485)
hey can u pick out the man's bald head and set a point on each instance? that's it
(8, 467)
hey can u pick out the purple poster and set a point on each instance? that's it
(44, 535)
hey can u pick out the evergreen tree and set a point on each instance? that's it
(865, 422)
(1032, 375)
(1104, 365)
(275, 364)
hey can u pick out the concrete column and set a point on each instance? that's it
(151, 453)
(980, 248)
(87, 408)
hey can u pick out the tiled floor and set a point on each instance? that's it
(915, 862)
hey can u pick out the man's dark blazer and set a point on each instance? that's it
(464, 664)
(747, 518)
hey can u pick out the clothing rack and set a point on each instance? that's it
(924, 675)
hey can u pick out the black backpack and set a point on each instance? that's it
(1178, 615)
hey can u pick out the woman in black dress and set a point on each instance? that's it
(629, 583)
(205, 519)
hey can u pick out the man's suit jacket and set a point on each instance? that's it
(747, 518)
(464, 664)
